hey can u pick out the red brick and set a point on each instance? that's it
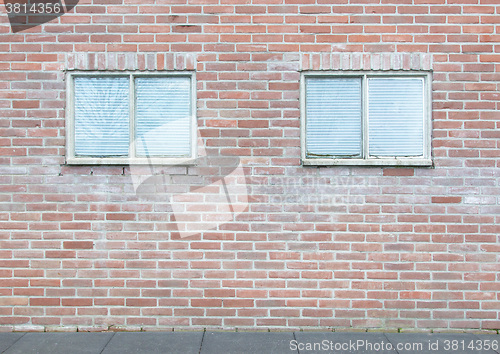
(141, 302)
(453, 200)
(206, 303)
(78, 244)
(45, 301)
(398, 172)
(81, 248)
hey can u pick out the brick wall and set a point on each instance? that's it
(315, 247)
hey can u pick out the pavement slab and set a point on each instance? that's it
(60, 343)
(421, 343)
(8, 339)
(212, 342)
(342, 343)
(155, 342)
(247, 343)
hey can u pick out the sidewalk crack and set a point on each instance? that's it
(107, 343)
(17, 340)
(393, 346)
(202, 337)
(295, 339)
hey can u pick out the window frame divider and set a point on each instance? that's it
(365, 153)
(132, 98)
(70, 116)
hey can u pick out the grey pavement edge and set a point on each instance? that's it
(339, 342)
(463, 343)
(8, 339)
(247, 342)
(60, 343)
(155, 342)
(213, 342)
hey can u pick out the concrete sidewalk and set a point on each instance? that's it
(246, 342)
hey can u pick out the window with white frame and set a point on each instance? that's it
(129, 118)
(366, 118)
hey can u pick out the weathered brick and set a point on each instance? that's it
(397, 245)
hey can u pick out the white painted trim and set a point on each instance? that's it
(302, 102)
(365, 151)
(71, 159)
(132, 113)
(130, 161)
(69, 117)
(194, 119)
(367, 160)
(428, 120)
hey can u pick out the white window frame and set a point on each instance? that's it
(366, 159)
(131, 159)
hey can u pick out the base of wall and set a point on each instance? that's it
(68, 329)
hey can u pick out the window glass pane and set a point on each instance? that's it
(333, 117)
(396, 116)
(163, 116)
(101, 116)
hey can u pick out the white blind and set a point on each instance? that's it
(333, 117)
(101, 116)
(163, 116)
(396, 116)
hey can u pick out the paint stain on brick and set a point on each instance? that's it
(399, 171)
(85, 245)
(447, 200)
(186, 29)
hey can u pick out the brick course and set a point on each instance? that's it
(330, 247)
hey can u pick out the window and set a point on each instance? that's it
(366, 118)
(131, 118)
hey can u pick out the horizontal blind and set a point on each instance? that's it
(101, 116)
(333, 117)
(396, 116)
(163, 116)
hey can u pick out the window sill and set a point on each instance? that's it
(183, 161)
(368, 162)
